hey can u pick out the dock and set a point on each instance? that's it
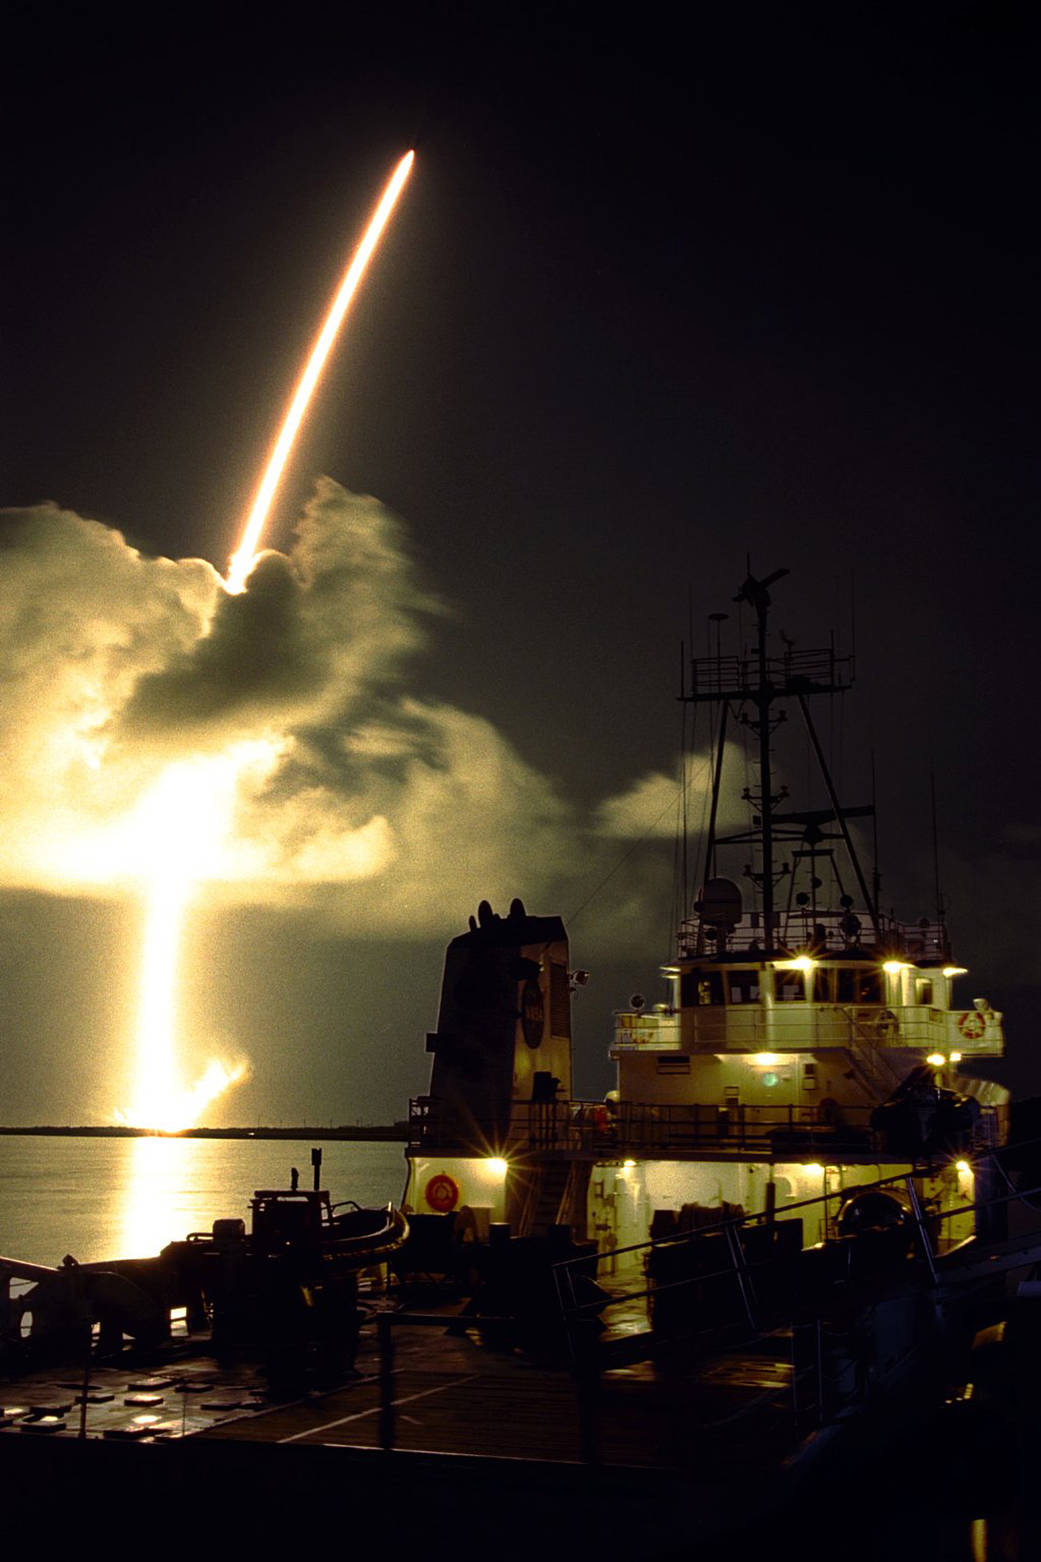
(454, 1446)
(451, 1426)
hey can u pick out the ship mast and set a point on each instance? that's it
(761, 682)
(755, 593)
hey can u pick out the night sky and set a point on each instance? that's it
(657, 299)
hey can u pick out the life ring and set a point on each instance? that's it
(442, 1193)
(972, 1024)
(886, 1025)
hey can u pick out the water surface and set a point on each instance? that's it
(126, 1198)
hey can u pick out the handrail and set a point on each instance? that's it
(741, 1268)
(735, 1223)
(591, 1128)
(810, 1399)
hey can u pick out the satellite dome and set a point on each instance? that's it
(719, 904)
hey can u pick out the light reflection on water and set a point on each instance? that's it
(126, 1198)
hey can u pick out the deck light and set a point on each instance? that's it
(955, 1057)
(937, 1059)
(497, 1166)
(764, 1059)
(894, 967)
(955, 970)
(797, 963)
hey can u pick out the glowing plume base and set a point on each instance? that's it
(180, 836)
(173, 1111)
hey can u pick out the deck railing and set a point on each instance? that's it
(596, 1129)
(833, 933)
(746, 1271)
(802, 1027)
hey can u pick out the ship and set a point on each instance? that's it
(809, 1043)
(797, 1119)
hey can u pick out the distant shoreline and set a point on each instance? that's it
(379, 1131)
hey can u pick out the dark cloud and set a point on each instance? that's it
(311, 634)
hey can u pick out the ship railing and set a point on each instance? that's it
(614, 1130)
(747, 1278)
(965, 1031)
(646, 1128)
(744, 1282)
(643, 1128)
(826, 934)
(799, 1026)
(820, 670)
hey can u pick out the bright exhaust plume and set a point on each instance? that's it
(178, 838)
(242, 559)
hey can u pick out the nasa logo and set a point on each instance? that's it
(533, 1013)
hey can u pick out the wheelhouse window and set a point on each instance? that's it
(872, 987)
(742, 987)
(789, 987)
(854, 984)
(700, 987)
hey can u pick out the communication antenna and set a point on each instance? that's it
(684, 785)
(941, 910)
(876, 877)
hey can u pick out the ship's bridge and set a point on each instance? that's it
(804, 1002)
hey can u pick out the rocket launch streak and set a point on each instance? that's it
(242, 560)
(194, 811)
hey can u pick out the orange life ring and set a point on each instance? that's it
(442, 1193)
(972, 1024)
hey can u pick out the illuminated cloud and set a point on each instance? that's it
(350, 795)
(651, 807)
(83, 617)
(123, 666)
(423, 811)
